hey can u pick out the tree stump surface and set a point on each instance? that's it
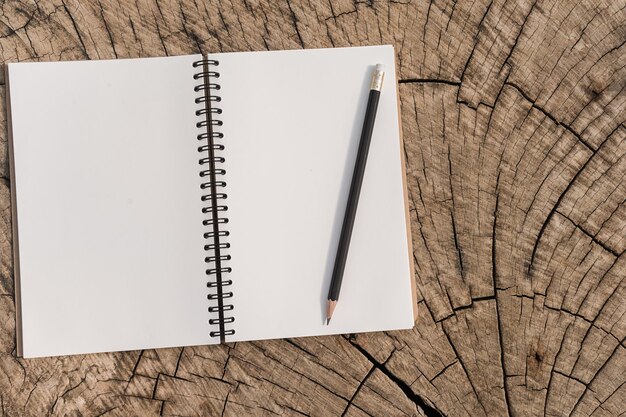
(513, 117)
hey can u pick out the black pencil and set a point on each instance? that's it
(355, 191)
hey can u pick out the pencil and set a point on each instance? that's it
(355, 191)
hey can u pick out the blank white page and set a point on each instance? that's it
(291, 123)
(108, 205)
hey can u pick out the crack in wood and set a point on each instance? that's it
(429, 410)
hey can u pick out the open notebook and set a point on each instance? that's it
(117, 243)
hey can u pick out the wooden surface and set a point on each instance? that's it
(513, 117)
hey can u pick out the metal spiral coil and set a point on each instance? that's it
(213, 194)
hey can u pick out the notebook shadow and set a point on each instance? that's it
(345, 179)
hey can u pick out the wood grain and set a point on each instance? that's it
(513, 117)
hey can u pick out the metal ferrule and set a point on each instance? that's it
(377, 80)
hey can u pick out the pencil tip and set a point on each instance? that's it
(330, 308)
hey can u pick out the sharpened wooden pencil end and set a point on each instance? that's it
(330, 307)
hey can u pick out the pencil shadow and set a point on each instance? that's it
(345, 179)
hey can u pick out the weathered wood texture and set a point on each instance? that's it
(513, 117)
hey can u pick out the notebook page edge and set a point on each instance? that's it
(14, 223)
(406, 197)
(97, 352)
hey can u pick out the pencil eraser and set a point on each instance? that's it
(380, 67)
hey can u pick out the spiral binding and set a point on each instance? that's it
(212, 193)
